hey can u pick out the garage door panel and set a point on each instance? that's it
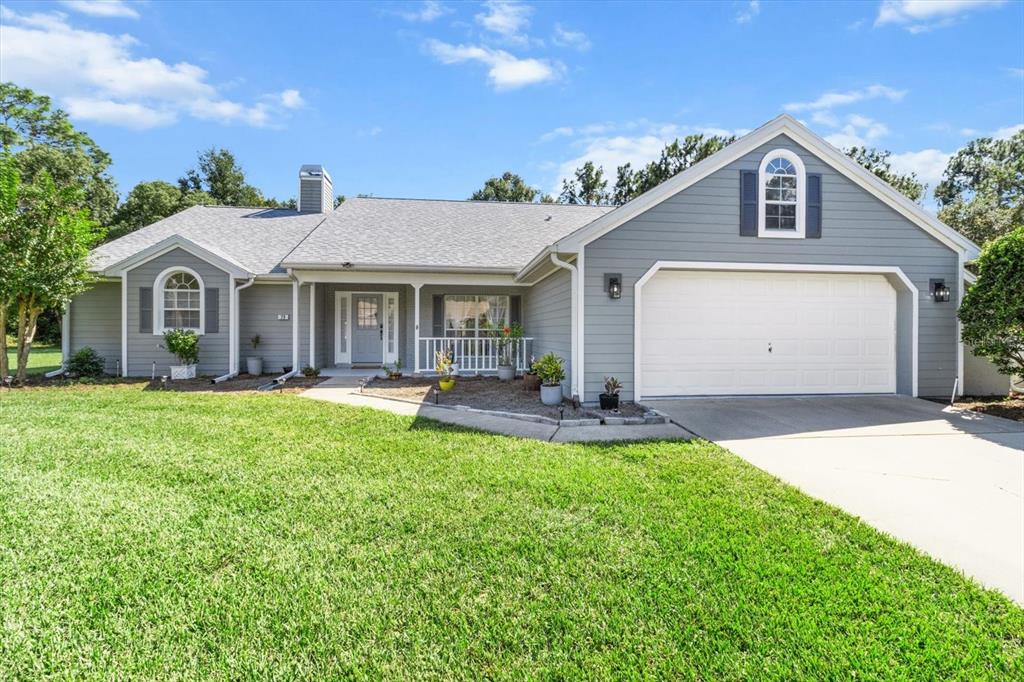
(708, 333)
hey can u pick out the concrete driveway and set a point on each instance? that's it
(949, 482)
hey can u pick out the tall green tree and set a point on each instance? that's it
(219, 175)
(41, 138)
(508, 187)
(10, 182)
(675, 157)
(877, 161)
(587, 186)
(982, 191)
(149, 202)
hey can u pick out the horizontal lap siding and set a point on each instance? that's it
(259, 307)
(96, 323)
(701, 223)
(548, 316)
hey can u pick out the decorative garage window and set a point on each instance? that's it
(178, 301)
(469, 316)
(782, 185)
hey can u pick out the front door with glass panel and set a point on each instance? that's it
(367, 329)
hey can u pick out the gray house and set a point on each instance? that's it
(776, 266)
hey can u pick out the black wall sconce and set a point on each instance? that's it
(938, 290)
(613, 284)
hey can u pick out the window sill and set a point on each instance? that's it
(160, 332)
(769, 234)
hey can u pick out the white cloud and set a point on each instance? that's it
(921, 16)
(927, 164)
(291, 99)
(836, 99)
(1008, 132)
(505, 71)
(565, 38)
(102, 8)
(370, 132)
(563, 131)
(968, 132)
(1015, 72)
(857, 131)
(99, 77)
(507, 18)
(428, 11)
(826, 118)
(747, 13)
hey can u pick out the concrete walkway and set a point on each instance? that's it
(345, 390)
(947, 481)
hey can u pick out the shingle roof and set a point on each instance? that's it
(256, 238)
(438, 233)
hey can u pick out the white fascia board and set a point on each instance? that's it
(177, 242)
(409, 277)
(362, 267)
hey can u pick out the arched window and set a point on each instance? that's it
(781, 199)
(179, 300)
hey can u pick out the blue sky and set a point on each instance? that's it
(428, 99)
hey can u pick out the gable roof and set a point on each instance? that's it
(781, 125)
(373, 233)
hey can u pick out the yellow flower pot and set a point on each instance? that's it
(447, 384)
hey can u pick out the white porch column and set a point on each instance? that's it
(312, 324)
(65, 336)
(416, 327)
(232, 341)
(295, 325)
(124, 323)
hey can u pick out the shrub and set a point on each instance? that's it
(182, 344)
(550, 368)
(311, 372)
(86, 363)
(992, 311)
(612, 386)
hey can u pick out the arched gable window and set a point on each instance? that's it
(783, 183)
(178, 304)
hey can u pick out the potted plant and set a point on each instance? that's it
(395, 372)
(508, 348)
(183, 344)
(551, 371)
(443, 367)
(610, 398)
(531, 382)
(254, 364)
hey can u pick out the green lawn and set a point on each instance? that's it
(41, 359)
(152, 534)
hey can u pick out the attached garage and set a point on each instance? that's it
(709, 332)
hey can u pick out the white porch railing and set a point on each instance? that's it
(473, 353)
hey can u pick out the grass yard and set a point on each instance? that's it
(153, 534)
(41, 359)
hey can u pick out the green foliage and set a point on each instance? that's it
(588, 186)
(550, 368)
(509, 187)
(982, 190)
(676, 157)
(149, 202)
(612, 386)
(86, 363)
(182, 344)
(877, 161)
(310, 372)
(443, 363)
(508, 343)
(219, 175)
(992, 312)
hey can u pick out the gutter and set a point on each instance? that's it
(278, 381)
(574, 382)
(57, 372)
(233, 369)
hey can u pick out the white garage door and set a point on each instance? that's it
(756, 333)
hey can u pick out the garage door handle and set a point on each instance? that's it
(769, 346)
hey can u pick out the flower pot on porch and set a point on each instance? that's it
(609, 402)
(254, 366)
(506, 372)
(531, 382)
(551, 395)
(183, 372)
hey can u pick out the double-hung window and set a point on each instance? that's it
(782, 185)
(179, 297)
(471, 315)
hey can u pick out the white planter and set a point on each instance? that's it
(254, 366)
(551, 395)
(506, 373)
(183, 372)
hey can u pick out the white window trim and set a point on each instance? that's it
(508, 311)
(801, 199)
(158, 299)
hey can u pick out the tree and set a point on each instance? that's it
(992, 312)
(588, 186)
(982, 189)
(220, 176)
(41, 138)
(147, 203)
(509, 187)
(10, 181)
(47, 238)
(877, 161)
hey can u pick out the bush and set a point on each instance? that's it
(311, 372)
(86, 363)
(992, 311)
(550, 368)
(182, 344)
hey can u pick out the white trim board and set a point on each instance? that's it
(389, 332)
(158, 298)
(768, 267)
(399, 278)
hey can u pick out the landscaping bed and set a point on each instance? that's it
(243, 382)
(1008, 408)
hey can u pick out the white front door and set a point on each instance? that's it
(760, 333)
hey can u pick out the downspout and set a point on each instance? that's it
(295, 338)
(574, 383)
(233, 368)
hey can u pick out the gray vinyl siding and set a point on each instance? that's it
(144, 348)
(259, 307)
(548, 317)
(96, 323)
(981, 378)
(701, 223)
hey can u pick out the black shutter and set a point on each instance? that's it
(145, 310)
(812, 215)
(438, 312)
(212, 310)
(748, 203)
(515, 309)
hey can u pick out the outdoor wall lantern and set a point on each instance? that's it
(940, 292)
(613, 285)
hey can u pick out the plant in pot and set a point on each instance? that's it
(183, 344)
(531, 382)
(508, 349)
(551, 371)
(443, 367)
(610, 398)
(395, 372)
(254, 363)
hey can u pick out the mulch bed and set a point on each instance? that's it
(1007, 408)
(243, 382)
(486, 393)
